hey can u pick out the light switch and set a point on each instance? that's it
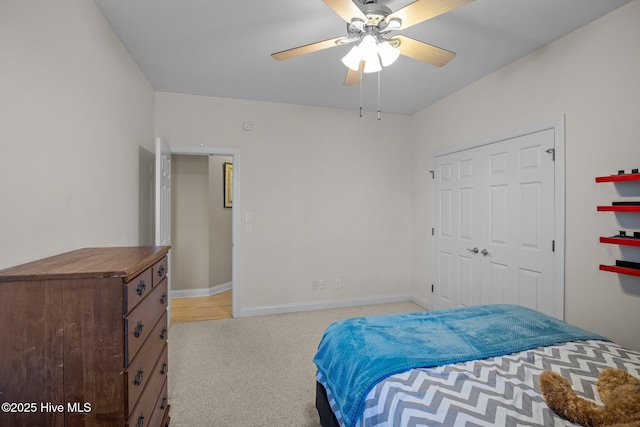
(248, 217)
(248, 228)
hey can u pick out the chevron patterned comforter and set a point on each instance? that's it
(498, 391)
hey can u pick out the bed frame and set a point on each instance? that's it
(327, 417)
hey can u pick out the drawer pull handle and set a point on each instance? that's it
(161, 271)
(138, 330)
(163, 405)
(139, 376)
(163, 370)
(163, 298)
(141, 287)
(163, 334)
(140, 422)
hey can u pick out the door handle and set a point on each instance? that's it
(474, 250)
(484, 252)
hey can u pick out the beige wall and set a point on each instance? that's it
(200, 224)
(220, 241)
(591, 77)
(189, 222)
(330, 195)
(76, 133)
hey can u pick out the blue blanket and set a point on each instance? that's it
(355, 354)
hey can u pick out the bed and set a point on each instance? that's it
(471, 366)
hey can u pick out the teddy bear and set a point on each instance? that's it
(618, 390)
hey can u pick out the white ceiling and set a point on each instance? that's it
(222, 47)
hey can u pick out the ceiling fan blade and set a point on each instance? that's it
(308, 48)
(353, 77)
(421, 10)
(423, 52)
(346, 9)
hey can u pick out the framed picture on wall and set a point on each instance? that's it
(228, 185)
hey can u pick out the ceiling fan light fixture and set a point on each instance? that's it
(394, 24)
(368, 47)
(372, 65)
(358, 24)
(369, 54)
(388, 54)
(352, 59)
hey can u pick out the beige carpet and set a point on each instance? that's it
(252, 372)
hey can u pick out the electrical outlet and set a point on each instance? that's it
(314, 285)
(338, 283)
(321, 284)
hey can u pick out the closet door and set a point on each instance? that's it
(458, 229)
(518, 223)
(494, 224)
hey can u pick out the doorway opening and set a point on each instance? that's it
(200, 157)
(201, 224)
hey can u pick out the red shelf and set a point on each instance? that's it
(619, 178)
(617, 240)
(628, 241)
(620, 270)
(619, 208)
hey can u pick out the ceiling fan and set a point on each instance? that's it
(372, 25)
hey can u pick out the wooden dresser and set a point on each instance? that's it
(83, 339)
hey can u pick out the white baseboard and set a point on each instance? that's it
(420, 301)
(324, 305)
(200, 292)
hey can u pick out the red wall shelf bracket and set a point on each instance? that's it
(627, 241)
(619, 208)
(619, 178)
(620, 270)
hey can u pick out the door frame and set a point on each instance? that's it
(235, 154)
(558, 127)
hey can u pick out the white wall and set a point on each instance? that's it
(591, 76)
(330, 195)
(76, 133)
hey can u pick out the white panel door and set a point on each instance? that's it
(163, 207)
(497, 198)
(457, 230)
(517, 248)
(163, 194)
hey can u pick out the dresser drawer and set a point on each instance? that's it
(143, 411)
(139, 371)
(139, 322)
(160, 271)
(135, 290)
(160, 411)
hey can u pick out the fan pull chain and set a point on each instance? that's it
(361, 78)
(378, 95)
(379, 109)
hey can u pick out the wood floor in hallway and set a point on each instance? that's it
(196, 309)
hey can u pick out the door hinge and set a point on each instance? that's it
(432, 174)
(552, 151)
(553, 246)
(432, 288)
(433, 231)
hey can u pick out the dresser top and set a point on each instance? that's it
(88, 263)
